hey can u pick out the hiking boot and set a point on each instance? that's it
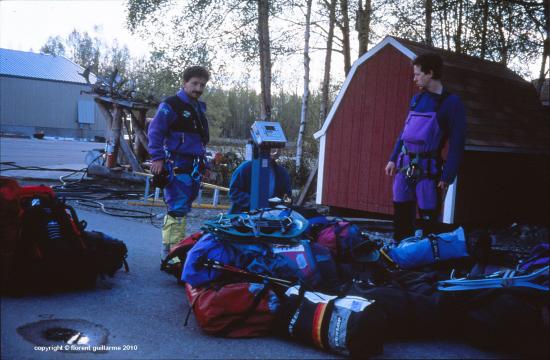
(164, 251)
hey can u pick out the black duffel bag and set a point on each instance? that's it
(348, 325)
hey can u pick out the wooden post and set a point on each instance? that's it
(117, 132)
(109, 118)
(125, 147)
(142, 122)
(102, 171)
(141, 141)
(307, 185)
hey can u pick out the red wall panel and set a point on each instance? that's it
(363, 132)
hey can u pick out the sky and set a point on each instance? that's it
(26, 24)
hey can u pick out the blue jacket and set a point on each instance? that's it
(241, 182)
(175, 130)
(451, 117)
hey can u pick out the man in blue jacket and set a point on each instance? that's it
(178, 136)
(435, 116)
(241, 180)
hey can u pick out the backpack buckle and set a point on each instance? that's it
(413, 171)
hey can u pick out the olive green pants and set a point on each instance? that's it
(173, 231)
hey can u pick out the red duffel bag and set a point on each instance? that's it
(237, 310)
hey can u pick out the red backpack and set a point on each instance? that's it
(41, 242)
(173, 263)
(348, 244)
(236, 310)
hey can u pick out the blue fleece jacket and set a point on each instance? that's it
(241, 183)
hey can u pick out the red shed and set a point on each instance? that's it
(505, 174)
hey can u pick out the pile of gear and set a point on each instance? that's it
(296, 273)
(44, 245)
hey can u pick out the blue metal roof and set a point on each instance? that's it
(40, 66)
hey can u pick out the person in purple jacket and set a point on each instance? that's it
(421, 176)
(178, 136)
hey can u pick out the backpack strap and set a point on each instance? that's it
(248, 313)
(435, 246)
(200, 124)
(191, 307)
(444, 95)
(417, 100)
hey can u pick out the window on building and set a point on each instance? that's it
(86, 111)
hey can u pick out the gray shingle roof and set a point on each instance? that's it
(40, 66)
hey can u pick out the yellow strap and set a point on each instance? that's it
(389, 258)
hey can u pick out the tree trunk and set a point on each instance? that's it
(459, 26)
(484, 20)
(141, 140)
(265, 58)
(328, 58)
(363, 25)
(503, 46)
(305, 96)
(546, 48)
(446, 29)
(345, 35)
(428, 4)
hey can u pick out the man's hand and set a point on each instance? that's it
(157, 166)
(390, 168)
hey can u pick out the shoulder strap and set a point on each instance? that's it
(435, 246)
(444, 95)
(417, 100)
(200, 122)
(175, 103)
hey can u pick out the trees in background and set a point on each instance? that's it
(331, 7)
(88, 51)
(511, 32)
(363, 25)
(249, 42)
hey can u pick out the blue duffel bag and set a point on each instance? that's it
(414, 251)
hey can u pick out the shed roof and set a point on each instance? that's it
(31, 65)
(504, 112)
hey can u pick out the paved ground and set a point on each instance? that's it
(54, 154)
(145, 309)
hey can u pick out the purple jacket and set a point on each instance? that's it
(174, 132)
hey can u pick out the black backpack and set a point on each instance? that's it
(54, 253)
(109, 254)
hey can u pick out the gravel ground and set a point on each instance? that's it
(516, 238)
